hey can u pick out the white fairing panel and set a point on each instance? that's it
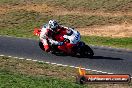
(74, 38)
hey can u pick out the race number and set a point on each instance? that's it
(77, 36)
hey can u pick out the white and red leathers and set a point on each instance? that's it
(48, 36)
(58, 37)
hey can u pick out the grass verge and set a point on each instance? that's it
(107, 41)
(15, 73)
(103, 5)
(11, 80)
(22, 19)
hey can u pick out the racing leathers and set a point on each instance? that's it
(57, 38)
(46, 37)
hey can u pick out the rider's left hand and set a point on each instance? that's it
(61, 43)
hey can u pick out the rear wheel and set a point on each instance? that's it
(86, 51)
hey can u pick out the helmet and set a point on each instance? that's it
(53, 25)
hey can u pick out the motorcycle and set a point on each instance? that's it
(80, 48)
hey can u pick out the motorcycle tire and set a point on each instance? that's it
(41, 45)
(86, 51)
(53, 48)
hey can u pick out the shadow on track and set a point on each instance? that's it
(102, 57)
(94, 57)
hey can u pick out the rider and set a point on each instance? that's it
(56, 34)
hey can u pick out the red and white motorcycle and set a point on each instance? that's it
(78, 49)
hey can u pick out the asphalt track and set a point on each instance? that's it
(105, 59)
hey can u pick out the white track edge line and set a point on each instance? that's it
(65, 65)
(21, 58)
(41, 61)
(47, 62)
(28, 59)
(61, 65)
(15, 57)
(72, 66)
(2, 55)
(53, 63)
(35, 60)
(9, 56)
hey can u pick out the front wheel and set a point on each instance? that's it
(41, 45)
(53, 48)
(86, 51)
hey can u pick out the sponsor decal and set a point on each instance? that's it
(83, 78)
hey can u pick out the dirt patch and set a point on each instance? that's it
(37, 8)
(28, 7)
(42, 8)
(122, 30)
(3, 9)
(62, 11)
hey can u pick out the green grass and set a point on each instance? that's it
(107, 41)
(15, 73)
(20, 23)
(30, 19)
(104, 5)
(11, 80)
(37, 68)
(25, 20)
